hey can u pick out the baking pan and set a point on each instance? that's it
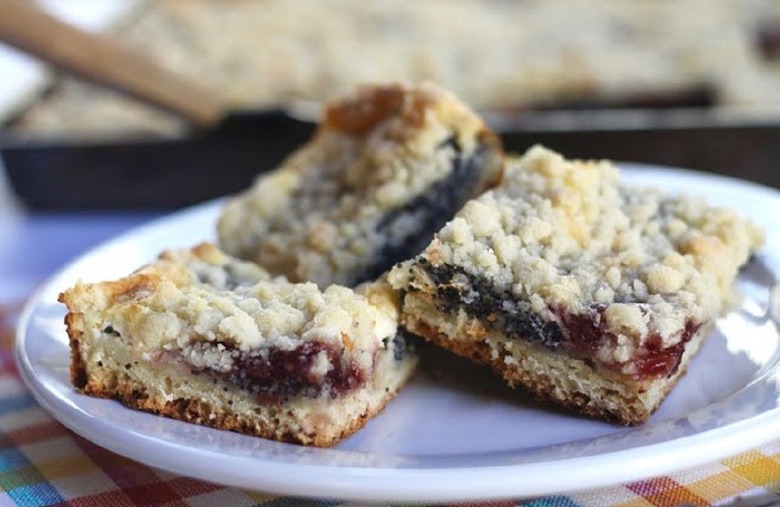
(172, 173)
(149, 173)
(736, 143)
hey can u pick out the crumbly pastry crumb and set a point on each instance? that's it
(388, 166)
(204, 337)
(583, 290)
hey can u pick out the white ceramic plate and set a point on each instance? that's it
(446, 440)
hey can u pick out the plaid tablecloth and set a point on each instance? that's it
(43, 463)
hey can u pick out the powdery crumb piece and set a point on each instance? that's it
(625, 319)
(662, 278)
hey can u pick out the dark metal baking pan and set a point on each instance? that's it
(172, 173)
(736, 143)
(149, 173)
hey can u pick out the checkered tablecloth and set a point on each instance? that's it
(42, 463)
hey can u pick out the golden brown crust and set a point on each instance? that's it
(360, 114)
(78, 369)
(610, 396)
(540, 387)
(136, 396)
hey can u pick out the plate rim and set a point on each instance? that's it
(493, 482)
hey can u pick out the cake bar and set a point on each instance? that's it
(387, 167)
(582, 290)
(202, 337)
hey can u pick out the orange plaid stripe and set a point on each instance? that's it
(665, 492)
(757, 467)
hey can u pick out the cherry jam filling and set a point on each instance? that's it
(655, 361)
(580, 334)
(294, 372)
(652, 360)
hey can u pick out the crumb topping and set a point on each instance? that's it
(345, 199)
(567, 238)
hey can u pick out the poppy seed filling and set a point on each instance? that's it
(430, 210)
(580, 334)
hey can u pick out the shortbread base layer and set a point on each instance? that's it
(549, 375)
(111, 369)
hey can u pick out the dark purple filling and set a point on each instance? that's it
(289, 372)
(431, 209)
(580, 334)
(489, 307)
(292, 372)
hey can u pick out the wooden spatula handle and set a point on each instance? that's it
(100, 59)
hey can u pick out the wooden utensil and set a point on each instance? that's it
(104, 61)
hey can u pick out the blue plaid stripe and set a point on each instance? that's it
(552, 501)
(22, 481)
(35, 495)
(12, 459)
(16, 402)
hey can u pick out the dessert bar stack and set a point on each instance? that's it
(288, 350)
(583, 291)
